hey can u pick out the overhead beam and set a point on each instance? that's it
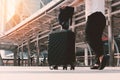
(36, 15)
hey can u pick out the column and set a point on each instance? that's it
(86, 56)
(15, 55)
(29, 51)
(110, 36)
(22, 54)
(38, 51)
(1, 61)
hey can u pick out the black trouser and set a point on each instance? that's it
(94, 29)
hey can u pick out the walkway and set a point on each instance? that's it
(44, 73)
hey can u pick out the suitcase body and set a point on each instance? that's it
(61, 48)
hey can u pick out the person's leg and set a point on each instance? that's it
(94, 30)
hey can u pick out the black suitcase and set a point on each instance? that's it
(61, 48)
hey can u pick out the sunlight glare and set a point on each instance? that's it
(10, 8)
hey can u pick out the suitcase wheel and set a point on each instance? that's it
(64, 67)
(55, 67)
(72, 67)
(51, 67)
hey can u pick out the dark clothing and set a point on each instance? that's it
(94, 29)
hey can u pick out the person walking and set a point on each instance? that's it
(96, 22)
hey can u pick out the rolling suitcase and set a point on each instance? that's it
(61, 48)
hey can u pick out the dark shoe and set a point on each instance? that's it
(103, 63)
(96, 64)
(94, 67)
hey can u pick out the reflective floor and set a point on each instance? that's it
(44, 73)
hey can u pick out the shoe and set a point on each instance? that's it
(103, 63)
(96, 64)
(94, 67)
